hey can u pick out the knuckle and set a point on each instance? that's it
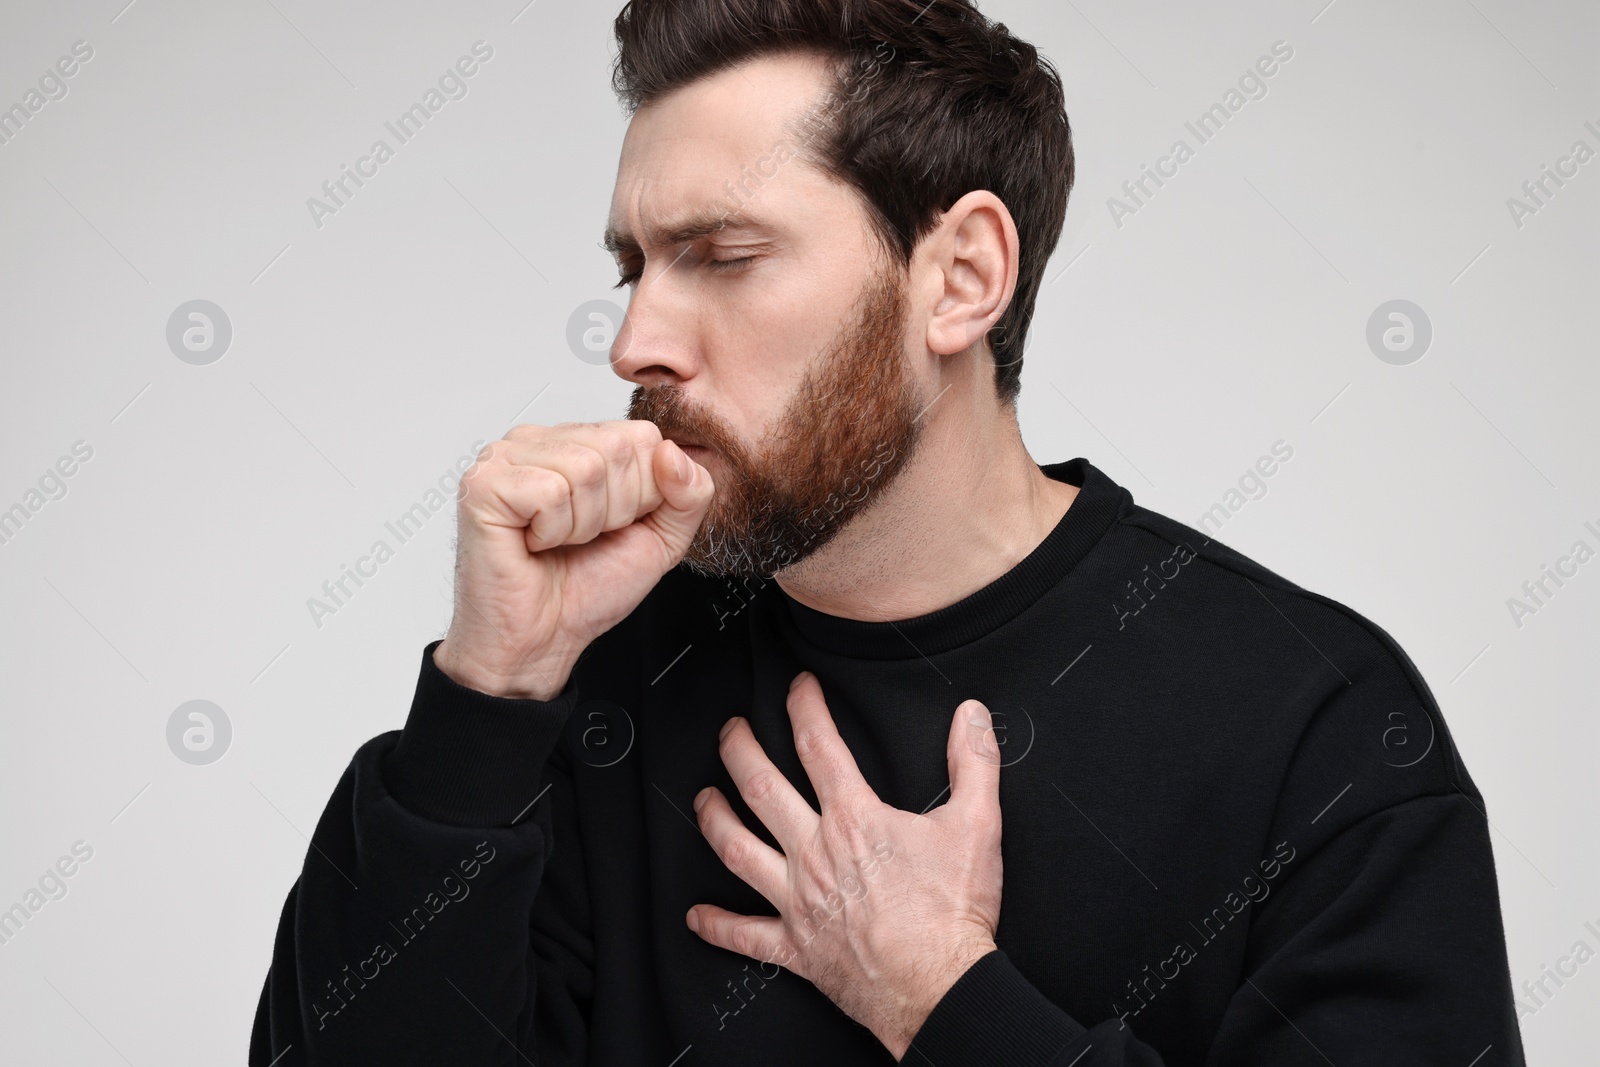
(640, 440)
(539, 479)
(483, 483)
(742, 937)
(617, 444)
(761, 785)
(487, 457)
(811, 741)
(546, 492)
(644, 431)
(598, 452)
(817, 866)
(736, 853)
(588, 467)
(849, 827)
(621, 470)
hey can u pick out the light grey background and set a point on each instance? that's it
(367, 355)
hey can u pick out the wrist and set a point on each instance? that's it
(530, 679)
(929, 992)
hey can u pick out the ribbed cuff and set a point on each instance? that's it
(470, 759)
(993, 1015)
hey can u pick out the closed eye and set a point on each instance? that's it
(728, 266)
(716, 266)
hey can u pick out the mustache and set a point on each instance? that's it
(668, 408)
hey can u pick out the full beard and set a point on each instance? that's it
(848, 431)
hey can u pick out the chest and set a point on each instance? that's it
(1118, 860)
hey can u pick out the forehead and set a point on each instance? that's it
(724, 143)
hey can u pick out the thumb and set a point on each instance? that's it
(686, 492)
(974, 756)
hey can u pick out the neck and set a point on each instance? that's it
(968, 506)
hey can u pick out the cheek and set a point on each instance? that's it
(777, 330)
(757, 370)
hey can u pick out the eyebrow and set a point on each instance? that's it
(691, 228)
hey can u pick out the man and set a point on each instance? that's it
(803, 718)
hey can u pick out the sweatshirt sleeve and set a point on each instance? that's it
(434, 919)
(1385, 945)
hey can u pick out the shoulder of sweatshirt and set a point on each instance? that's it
(1353, 724)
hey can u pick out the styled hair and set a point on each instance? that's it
(929, 101)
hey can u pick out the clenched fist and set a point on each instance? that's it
(563, 530)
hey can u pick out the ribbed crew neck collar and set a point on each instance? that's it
(1091, 513)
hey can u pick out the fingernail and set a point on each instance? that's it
(984, 742)
(693, 919)
(726, 727)
(680, 462)
(795, 683)
(701, 797)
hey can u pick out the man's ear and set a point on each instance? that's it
(974, 251)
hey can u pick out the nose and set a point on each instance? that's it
(657, 341)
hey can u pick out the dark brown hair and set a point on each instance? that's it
(930, 100)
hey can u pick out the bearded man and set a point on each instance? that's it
(802, 717)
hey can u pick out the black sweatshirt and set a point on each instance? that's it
(1235, 831)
